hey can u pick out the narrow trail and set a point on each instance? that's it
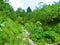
(26, 33)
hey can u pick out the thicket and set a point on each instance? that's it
(42, 23)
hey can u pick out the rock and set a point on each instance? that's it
(31, 42)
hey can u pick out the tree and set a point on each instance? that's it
(29, 10)
(6, 10)
(20, 12)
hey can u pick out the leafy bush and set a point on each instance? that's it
(10, 32)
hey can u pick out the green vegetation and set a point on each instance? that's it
(43, 24)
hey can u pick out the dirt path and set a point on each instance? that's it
(26, 33)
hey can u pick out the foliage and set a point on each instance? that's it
(45, 14)
(39, 34)
(10, 32)
(43, 24)
(7, 11)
